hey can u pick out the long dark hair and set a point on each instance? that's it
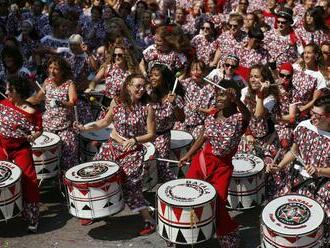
(168, 80)
(318, 15)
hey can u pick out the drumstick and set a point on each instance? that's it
(3, 95)
(75, 113)
(298, 158)
(175, 84)
(295, 103)
(170, 160)
(214, 84)
(42, 90)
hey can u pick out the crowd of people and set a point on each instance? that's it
(241, 76)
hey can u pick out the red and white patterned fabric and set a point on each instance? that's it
(59, 120)
(128, 122)
(249, 57)
(114, 79)
(305, 37)
(314, 149)
(281, 48)
(303, 86)
(203, 48)
(175, 61)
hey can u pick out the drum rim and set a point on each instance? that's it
(18, 178)
(39, 147)
(192, 139)
(187, 205)
(300, 234)
(34, 148)
(247, 174)
(95, 180)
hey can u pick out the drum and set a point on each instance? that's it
(87, 148)
(94, 190)
(180, 144)
(247, 185)
(46, 152)
(10, 191)
(186, 211)
(292, 221)
(150, 176)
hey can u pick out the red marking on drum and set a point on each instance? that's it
(199, 212)
(162, 206)
(106, 187)
(185, 223)
(271, 233)
(293, 227)
(271, 216)
(70, 188)
(37, 153)
(12, 189)
(312, 235)
(177, 212)
(292, 239)
(83, 191)
(54, 150)
(300, 201)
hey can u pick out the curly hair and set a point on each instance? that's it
(130, 60)
(65, 68)
(125, 97)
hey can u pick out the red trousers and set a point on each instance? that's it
(22, 157)
(218, 173)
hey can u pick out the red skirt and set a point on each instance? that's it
(216, 171)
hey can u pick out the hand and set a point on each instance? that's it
(250, 139)
(184, 160)
(264, 86)
(311, 170)
(192, 107)
(88, 90)
(272, 168)
(79, 126)
(171, 97)
(31, 138)
(129, 144)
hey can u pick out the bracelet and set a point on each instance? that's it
(135, 140)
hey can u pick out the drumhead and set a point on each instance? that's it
(246, 165)
(91, 171)
(99, 135)
(180, 139)
(9, 173)
(149, 151)
(186, 192)
(293, 215)
(46, 139)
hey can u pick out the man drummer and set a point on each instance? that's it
(311, 148)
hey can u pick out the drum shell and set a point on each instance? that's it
(301, 238)
(47, 160)
(246, 192)
(95, 199)
(11, 203)
(150, 175)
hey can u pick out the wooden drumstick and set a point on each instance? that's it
(169, 160)
(175, 84)
(214, 84)
(39, 86)
(3, 95)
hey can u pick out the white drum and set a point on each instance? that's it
(46, 152)
(186, 211)
(10, 191)
(292, 221)
(247, 185)
(180, 144)
(88, 149)
(94, 190)
(150, 176)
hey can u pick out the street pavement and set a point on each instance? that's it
(58, 229)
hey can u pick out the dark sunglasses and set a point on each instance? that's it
(119, 55)
(282, 22)
(285, 75)
(205, 28)
(233, 25)
(230, 65)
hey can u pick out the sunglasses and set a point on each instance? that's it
(317, 115)
(287, 76)
(205, 28)
(233, 26)
(230, 65)
(282, 22)
(119, 55)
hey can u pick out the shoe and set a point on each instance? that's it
(149, 228)
(85, 222)
(32, 228)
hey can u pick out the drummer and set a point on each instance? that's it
(21, 124)
(134, 124)
(214, 150)
(312, 146)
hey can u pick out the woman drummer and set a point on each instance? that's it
(213, 162)
(21, 124)
(133, 121)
